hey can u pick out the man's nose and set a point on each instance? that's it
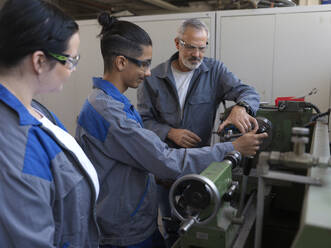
(148, 72)
(196, 52)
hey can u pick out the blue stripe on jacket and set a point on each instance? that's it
(39, 152)
(112, 91)
(93, 122)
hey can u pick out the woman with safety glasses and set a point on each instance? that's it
(127, 156)
(48, 187)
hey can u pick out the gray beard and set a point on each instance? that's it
(191, 66)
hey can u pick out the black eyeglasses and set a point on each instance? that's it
(145, 64)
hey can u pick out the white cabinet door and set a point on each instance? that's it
(246, 46)
(303, 56)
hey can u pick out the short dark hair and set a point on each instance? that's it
(120, 38)
(27, 26)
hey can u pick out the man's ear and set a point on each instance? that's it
(177, 42)
(38, 61)
(120, 63)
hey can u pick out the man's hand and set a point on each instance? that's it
(240, 119)
(183, 137)
(249, 143)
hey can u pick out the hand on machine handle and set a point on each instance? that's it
(249, 143)
(239, 118)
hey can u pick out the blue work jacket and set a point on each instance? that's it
(45, 198)
(211, 83)
(127, 157)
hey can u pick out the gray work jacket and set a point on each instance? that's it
(45, 199)
(211, 83)
(127, 157)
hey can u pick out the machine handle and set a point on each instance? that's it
(228, 195)
(187, 224)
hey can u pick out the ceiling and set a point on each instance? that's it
(89, 9)
(86, 9)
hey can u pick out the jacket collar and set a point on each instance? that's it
(110, 90)
(164, 71)
(25, 118)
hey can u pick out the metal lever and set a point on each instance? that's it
(187, 224)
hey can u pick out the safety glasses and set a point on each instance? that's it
(192, 48)
(145, 64)
(68, 61)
